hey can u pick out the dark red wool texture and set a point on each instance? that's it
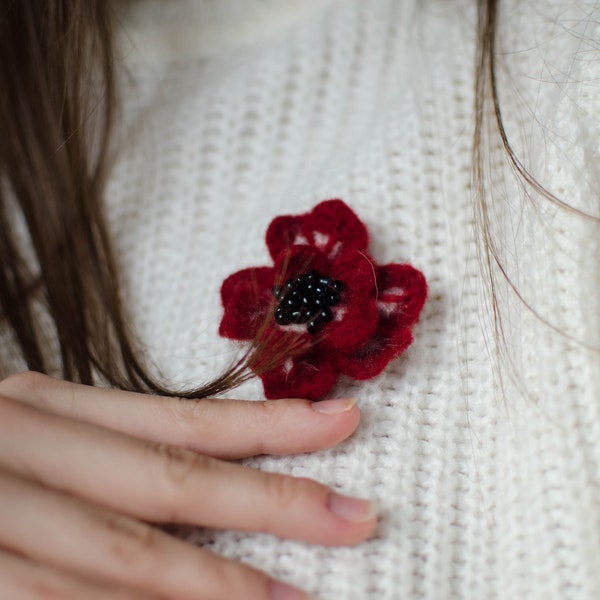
(371, 324)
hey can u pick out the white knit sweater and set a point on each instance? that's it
(235, 111)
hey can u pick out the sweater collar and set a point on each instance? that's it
(163, 30)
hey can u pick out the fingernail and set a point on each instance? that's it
(335, 406)
(351, 509)
(282, 591)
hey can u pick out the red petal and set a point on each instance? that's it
(388, 342)
(296, 260)
(246, 297)
(331, 227)
(401, 294)
(309, 376)
(356, 316)
(402, 291)
(276, 344)
(282, 233)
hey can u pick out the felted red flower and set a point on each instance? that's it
(324, 302)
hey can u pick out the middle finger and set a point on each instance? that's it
(221, 428)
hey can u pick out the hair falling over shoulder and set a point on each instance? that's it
(57, 105)
(489, 131)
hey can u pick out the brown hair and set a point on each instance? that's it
(57, 105)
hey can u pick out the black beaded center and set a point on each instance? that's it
(307, 298)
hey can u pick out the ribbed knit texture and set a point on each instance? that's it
(482, 494)
(485, 491)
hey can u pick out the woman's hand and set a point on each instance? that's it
(82, 469)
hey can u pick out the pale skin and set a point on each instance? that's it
(83, 471)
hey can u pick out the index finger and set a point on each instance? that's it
(222, 428)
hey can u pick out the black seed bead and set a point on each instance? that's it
(312, 275)
(332, 297)
(291, 285)
(325, 281)
(325, 315)
(281, 316)
(292, 299)
(276, 291)
(337, 285)
(318, 302)
(313, 326)
(296, 316)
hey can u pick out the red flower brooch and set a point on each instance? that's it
(324, 308)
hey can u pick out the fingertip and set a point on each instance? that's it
(354, 519)
(352, 509)
(334, 406)
(331, 421)
(333, 519)
(340, 415)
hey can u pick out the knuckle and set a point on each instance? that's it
(186, 415)
(178, 464)
(283, 491)
(268, 413)
(179, 412)
(175, 469)
(130, 542)
(183, 410)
